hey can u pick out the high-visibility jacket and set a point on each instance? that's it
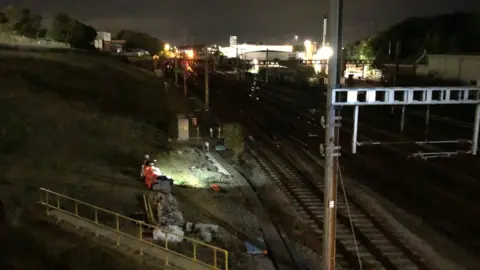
(151, 174)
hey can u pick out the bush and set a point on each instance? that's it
(234, 140)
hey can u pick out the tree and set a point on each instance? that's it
(234, 139)
(29, 24)
(82, 35)
(68, 30)
(21, 21)
(138, 40)
(3, 18)
(437, 34)
(61, 28)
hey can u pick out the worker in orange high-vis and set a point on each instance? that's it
(150, 175)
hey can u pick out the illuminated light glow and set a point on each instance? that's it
(255, 68)
(167, 47)
(324, 53)
(231, 52)
(190, 54)
(308, 50)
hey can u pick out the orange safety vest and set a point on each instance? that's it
(150, 176)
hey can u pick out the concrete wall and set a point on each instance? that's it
(461, 67)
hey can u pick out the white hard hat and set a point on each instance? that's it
(147, 156)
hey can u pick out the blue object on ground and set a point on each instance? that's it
(220, 147)
(253, 250)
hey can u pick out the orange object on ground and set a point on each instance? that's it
(215, 187)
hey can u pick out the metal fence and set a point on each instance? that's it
(191, 249)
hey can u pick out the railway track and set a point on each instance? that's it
(377, 247)
(447, 184)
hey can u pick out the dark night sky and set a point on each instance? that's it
(251, 20)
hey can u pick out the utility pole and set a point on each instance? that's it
(185, 82)
(332, 150)
(176, 71)
(266, 67)
(395, 80)
(324, 34)
(238, 69)
(207, 95)
(397, 64)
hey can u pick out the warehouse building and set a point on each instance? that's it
(465, 68)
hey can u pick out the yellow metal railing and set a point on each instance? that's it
(192, 249)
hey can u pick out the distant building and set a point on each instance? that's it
(117, 45)
(102, 41)
(241, 49)
(272, 55)
(406, 66)
(464, 68)
(106, 36)
(233, 41)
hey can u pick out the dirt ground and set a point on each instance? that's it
(78, 124)
(301, 235)
(194, 174)
(36, 244)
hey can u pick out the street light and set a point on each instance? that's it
(325, 52)
(167, 47)
(307, 43)
(308, 49)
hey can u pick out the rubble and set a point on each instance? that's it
(168, 212)
(205, 231)
(171, 234)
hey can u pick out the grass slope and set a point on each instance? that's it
(78, 124)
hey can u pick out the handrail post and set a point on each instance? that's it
(58, 201)
(166, 248)
(96, 220)
(226, 259)
(118, 229)
(140, 236)
(75, 205)
(215, 258)
(47, 203)
(194, 251)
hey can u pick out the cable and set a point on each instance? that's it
(340, 175)
(348, 212)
